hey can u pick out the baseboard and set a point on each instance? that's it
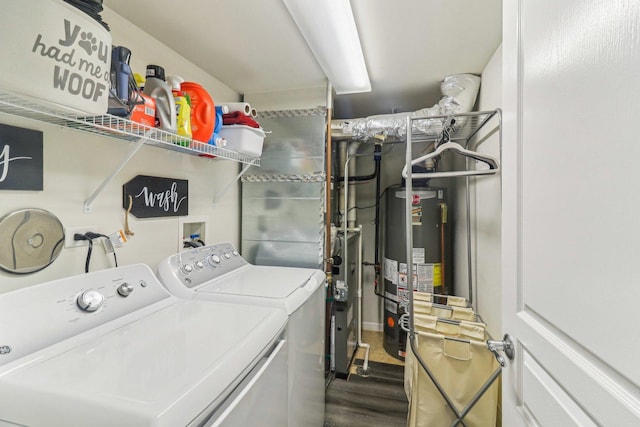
(370, 326)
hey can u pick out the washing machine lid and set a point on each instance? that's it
(263, 281)
(160, 370)
(285, 287)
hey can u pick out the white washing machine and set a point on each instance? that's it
(219, 273)
(114, 348)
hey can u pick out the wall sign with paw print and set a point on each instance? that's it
(64, 56)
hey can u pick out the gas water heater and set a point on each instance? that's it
(431, 266)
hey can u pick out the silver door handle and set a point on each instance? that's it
(506, 346)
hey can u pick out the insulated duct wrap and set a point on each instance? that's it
(459, 96)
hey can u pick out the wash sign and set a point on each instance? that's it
(21, 159)
(155, 197)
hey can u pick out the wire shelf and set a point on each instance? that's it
(115, 127)
(460, 127)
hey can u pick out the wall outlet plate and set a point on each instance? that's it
(70, 231)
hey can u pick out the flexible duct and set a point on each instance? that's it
(459, 96)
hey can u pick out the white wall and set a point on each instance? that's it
(295, 99)
(76, 163)
(486, 201)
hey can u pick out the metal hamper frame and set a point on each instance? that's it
(458, 127)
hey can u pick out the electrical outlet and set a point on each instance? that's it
(70, 231)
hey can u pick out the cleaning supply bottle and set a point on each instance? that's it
(157, 88)
(139, 78)
(203, 118)
(183, 108)
(216, 139)
(220, 110)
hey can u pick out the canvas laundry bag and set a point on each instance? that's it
(432, 324)
(444, 311)
(461, 367)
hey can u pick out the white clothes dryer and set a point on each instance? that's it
(114, 348)
(218, 273)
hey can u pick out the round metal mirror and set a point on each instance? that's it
(30, 240)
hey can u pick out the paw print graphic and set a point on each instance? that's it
(88, 43)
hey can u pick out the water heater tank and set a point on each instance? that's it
(428, 215)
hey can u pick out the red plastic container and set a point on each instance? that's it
(144, 113)
(203, 113)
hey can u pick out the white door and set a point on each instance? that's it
(571, 212)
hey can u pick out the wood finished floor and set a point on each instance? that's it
(377, 399)
(377, 353)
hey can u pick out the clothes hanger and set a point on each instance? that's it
(454, 146)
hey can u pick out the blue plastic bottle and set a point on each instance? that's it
(215, 138)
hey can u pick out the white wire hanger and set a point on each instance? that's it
(454, 146)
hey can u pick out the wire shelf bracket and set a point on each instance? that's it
(244, 170)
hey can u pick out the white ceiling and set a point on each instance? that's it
(254, 45)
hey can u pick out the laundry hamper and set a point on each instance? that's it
(455, 352)
(450, 300)
(445, 311)
(452, 319)
(454, 381)
(435, 325)
(461, 367)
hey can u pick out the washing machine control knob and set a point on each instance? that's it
(199, 265)
(235, 253)
(125, 289)
(215, 259)
(90, 300)
(186, 269)
(227, 255)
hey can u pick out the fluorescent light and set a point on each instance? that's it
(330, 31)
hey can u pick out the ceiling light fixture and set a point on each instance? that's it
(330, 31)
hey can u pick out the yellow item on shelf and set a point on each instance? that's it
(183, 116)
(183, 109)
